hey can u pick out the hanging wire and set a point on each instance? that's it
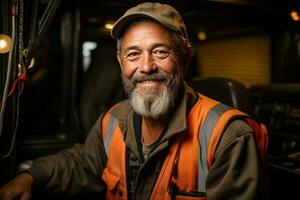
(8, 73)
(21, 77)
(13, 140)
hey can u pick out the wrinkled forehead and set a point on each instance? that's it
(146, 33)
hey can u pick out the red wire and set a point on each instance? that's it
(23, 77)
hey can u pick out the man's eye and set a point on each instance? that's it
(133, 55)
(159, 53)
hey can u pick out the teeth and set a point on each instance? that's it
(148, 81)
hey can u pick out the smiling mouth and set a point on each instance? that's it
(148, 80)
(149, 83)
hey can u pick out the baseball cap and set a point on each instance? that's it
(162, 13)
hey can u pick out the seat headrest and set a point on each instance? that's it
(228, 91)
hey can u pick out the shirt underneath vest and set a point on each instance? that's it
(133, 162)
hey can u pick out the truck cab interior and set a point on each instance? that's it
(60, 72)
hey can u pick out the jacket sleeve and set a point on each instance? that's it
(237, 171)
(76, 170)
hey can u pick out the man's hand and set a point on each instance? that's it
(18, 188)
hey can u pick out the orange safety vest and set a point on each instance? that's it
(192, 153)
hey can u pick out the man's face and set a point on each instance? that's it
(150, 72)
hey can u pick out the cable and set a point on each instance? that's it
(8, 74)
(20, 80)
(22, 77)
(13, 141)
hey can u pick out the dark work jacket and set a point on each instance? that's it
(235, 174)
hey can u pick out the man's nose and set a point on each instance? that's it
(148, 64)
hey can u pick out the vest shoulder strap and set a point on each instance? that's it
(259, 130)
(212, 119)
(114, 173)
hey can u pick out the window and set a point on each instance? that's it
(246, 59)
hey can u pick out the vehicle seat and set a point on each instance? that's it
(226, 90)
(102, 85)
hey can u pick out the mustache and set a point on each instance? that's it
(152, 77)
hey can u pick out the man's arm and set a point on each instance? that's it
(237, 172)
(72, 171)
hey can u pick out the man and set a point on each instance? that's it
(166, 141)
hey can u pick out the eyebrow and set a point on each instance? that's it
(131, 48)
(153, 46)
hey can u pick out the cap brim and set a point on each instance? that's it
(123, 22)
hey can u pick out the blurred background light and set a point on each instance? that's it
(5, 43)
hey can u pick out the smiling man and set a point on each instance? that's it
(152, 75)
(166, 141)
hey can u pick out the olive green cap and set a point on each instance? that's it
(162, 13)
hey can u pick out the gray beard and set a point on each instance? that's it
(152, 102)
(151, 106)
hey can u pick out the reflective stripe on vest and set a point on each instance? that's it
(205, 133)
(114, 173)
(111, 126)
